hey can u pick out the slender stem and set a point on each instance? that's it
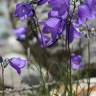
(70, 74)
(88, 91)
(3, 94)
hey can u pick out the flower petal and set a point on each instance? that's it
(17, 63)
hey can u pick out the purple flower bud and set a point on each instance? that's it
(17, 64)
(24, 10)
(20, 33)
(76, 61)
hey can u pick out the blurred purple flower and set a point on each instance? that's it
(83, 14)
(86, 11)
(20, 33)
(92, 6)
(55, 26)
(76, 61)
(61, 6)
(24, 10)
(17, 64)
(52, 29)
(55, 4)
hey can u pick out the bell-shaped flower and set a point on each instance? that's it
(24, 10)
(83, 14)
(55, 26)
(17, 64)
(92, 5)
(76, 62)
(61, 6)
(55, 4)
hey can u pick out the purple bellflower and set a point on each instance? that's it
(59, 5)
(55, 4)
(54, 26)
(20, 33)
(86, 11)
(52, 29)
(24, 10)
(17, 64)
(76, 62)
(92, 6)
(83, 14)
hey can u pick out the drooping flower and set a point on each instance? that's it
(20, 33)
(24, 10)
(55, 26)
(92, 6)
(52, 29)
(17, 64)
(83, 14)
(76, 61)
(61, 6)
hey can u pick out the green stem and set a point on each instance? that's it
(3, 94)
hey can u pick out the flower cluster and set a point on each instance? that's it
(56, 24)
(61, 18)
